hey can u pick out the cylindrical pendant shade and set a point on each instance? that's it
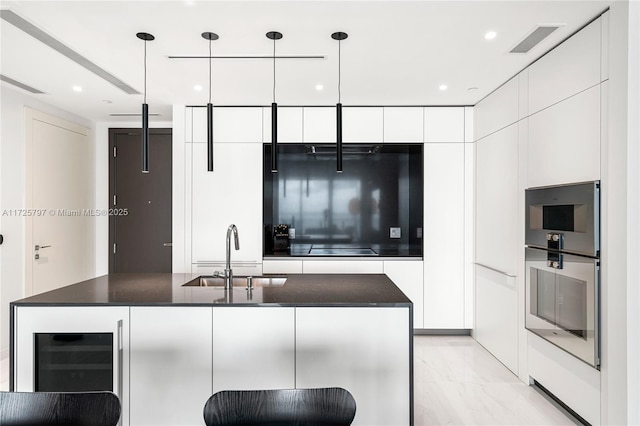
(210, 137)
(145, 138)
(339, 137)
(274, 137)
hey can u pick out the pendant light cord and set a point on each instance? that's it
(209, 70)
(145, 71)
(339, 66)
(274, 70)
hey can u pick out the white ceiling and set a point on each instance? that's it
(397, 53)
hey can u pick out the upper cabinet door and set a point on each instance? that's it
(444, 124)
(362, 124)
(498, 110)
(229, 124)
(568, 69)
(188, 124)
(319, 124)
(232, 193)
(289, 124)
(564, 141)
(404, 124)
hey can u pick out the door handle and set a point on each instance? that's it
(169, 244)
(38, 247)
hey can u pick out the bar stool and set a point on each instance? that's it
(279, 407)
(59, 408)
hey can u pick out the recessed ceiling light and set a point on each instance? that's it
(319, 87)
(77, 88)
(443, 87)
(472, 89)
(197, 88)
(490, 35)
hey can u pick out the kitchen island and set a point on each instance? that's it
(175, 342)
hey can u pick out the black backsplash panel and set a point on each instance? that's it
(346, 213)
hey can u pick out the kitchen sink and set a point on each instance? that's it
(238, 281)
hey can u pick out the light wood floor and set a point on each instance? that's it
(457, 382)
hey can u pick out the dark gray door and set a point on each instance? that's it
(140, 229)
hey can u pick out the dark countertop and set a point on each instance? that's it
(168, 289)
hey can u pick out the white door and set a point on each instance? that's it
(59, 201)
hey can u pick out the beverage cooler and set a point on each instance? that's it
(72, 349)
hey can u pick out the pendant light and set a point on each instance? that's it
(339, 36)
(209, 36)
(274, 35)
(145, 108)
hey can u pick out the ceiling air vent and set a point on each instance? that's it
(37, 33)
(533, 38)
(19, 84)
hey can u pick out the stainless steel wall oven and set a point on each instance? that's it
(562, 238)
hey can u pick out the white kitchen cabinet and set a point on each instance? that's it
(170, 364)
(408, 276)
(362, 124)
(188, 124)
(444, 236)
(497, 227)
(523, 94)
(469, 234)
(253, 348)
(498, 244)
(281, 266)
(443, 124)
(568, 69)
(498, 110)
(289, 124)
(564, 141)
(404, 124)
(320, 124)
(496, 323)
(604, 43)
(198, 124)
(31, 320)
(574, 382)
(364, 350)
(349, 266)
(230, 124)
(232, 193)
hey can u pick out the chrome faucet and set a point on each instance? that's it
(228, 273)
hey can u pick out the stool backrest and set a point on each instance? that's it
(59, 408)
(279, 407)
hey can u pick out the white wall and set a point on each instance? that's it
(12, 190)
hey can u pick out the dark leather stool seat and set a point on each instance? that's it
(279, 407)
